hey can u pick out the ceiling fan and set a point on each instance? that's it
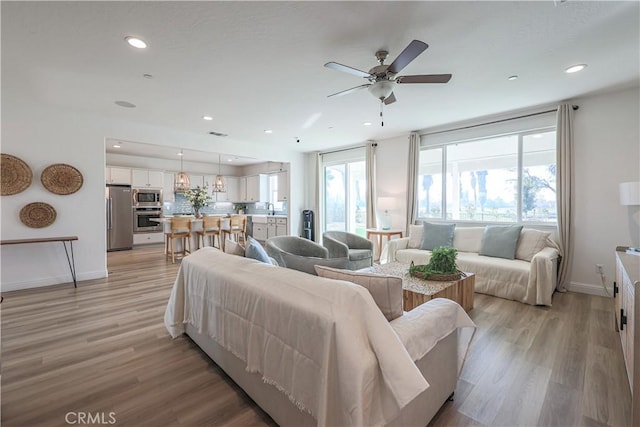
(383, 78)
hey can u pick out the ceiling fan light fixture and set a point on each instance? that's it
(382, 89)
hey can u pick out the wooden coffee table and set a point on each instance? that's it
(418, 291)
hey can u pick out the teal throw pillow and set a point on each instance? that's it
(255, 250)
(500, 241)
(436, 235)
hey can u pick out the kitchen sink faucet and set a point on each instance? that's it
(273, 209)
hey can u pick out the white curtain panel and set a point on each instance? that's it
(412, 178)
(564, 193)
(318, 199)
(370, 170)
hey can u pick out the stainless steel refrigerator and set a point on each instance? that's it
(119, 217)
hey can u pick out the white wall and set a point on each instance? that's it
(138, 162)
(607, 152)
(42, 135)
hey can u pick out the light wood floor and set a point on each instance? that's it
(103, 348)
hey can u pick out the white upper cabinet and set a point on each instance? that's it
(168, 194)
(196, 180)
(232, 185)
(257, 188)
(117, 175)
(147, 178)
(283, 186)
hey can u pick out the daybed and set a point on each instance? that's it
(529, 278)
(315, 351)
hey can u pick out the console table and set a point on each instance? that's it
(64, 240)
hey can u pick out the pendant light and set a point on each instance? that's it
(181, 182)
(218, 184)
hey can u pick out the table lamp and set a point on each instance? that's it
(385, 204)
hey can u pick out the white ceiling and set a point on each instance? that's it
(259, 65)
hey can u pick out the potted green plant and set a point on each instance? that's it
(441, 266)
(199, 197)
(240, 209)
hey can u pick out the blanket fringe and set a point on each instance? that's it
(266, 380)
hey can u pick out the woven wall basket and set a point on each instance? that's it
(61, 179)
(37, 215)
(16, 175)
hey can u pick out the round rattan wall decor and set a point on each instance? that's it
(37, 215)
(61, 179)
(16, 175)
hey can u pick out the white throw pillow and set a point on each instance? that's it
(530, 243)
(468, 239)
(415, 236)
(385, 290)
(233, 248)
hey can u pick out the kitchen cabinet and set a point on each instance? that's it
(117, 175)
(276, 227)
(146, 178)
(260, 231)
(196, 180)
(233, 188)
(167, 188)
(148, 238)
(283, 186)
(242, 189)
(627, 272)
(256, 188)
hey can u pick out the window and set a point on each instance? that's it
(345, 186)
(507, 178)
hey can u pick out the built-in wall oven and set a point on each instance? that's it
(142, 220)
(146, 197)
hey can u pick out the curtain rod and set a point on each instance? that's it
(345, 149)
(575, 107)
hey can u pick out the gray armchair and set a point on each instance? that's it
(301, 254)
(357, 249)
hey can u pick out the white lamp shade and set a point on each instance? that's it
(382, 89)
(386, 203)
(630, 193)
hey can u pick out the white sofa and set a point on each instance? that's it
(530, 278)
(311, 350)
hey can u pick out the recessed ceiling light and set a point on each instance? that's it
(125, 104)
(116, 146)
(229, 160)
(136, 42)
(367, 123)
(207, 118)
(511, 78)
(180, 153)
(268, 131)
(575, 68)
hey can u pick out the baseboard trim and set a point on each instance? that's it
(50, 281)
(588, 288)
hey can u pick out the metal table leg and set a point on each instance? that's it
(71, 261)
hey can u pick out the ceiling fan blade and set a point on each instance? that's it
(390, 99)
(347, 69)
(425, 78)
(411, 52)
(353, 89)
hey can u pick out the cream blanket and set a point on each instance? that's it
(322, 342)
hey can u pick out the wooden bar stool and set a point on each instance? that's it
(180, 229)
(211, 227)
(237, 228)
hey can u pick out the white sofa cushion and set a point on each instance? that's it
(531, 242)
(385, 290)
(415, 236)
(467, 239)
